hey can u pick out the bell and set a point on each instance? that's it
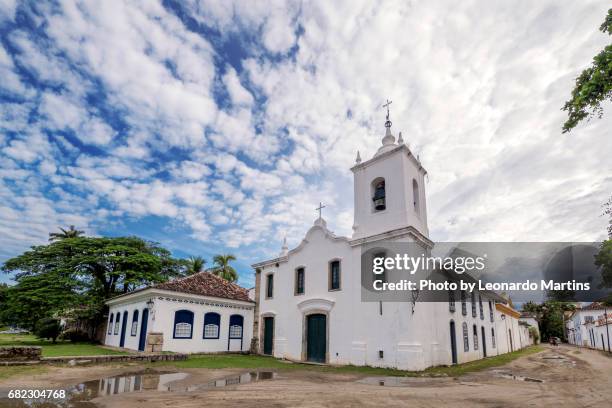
(379, 197)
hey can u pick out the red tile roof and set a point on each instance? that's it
(206, 284)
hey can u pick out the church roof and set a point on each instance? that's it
(206, 284)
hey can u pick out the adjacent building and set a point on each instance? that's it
(201, 313)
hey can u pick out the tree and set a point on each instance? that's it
(608, 211)
(223, 268)
(549, 316)
(603, 259)
(3, 294)
(71, 232)
(593, 86)
(48, 328)
(78, 274)
(39, 296)
(195, 264)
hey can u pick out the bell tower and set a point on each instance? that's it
(389, 189)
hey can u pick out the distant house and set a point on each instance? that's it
(511, 334)
(587, 326)
(196, 314)
(531, 321)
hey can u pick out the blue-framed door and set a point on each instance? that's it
(143, 330)
(123, 329)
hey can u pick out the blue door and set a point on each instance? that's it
(123, 328)
(316, 338)
(143, 330)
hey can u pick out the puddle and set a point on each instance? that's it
(80, 395)
(511, 376)
(399, 381)
(244, 378)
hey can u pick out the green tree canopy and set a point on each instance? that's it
(80, 273)
(593, 86)
(549, 316)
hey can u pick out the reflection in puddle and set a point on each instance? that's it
(511, 376)
(80, 395)
(241, 379)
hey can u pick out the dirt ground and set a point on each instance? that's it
(571, 378)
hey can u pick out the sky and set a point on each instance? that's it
(218, 126)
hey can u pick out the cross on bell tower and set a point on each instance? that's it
(388, 121)
(319, 208)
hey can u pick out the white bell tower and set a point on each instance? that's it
(389, 189)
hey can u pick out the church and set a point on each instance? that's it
(309, 304)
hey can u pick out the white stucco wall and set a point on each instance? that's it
(358, 330)
(161, 320)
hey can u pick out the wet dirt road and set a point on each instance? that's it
(557, 377)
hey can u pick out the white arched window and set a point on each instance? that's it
(117, 317)
(134, 323)
(183, 323)
(415, 195)
(235, 329)
(475, 337)
(379, 195)
(466, 340)
(212, 322)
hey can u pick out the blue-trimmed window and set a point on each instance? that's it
(110, 324)
(235, 328)
(134, 323)
(117, 315)
(299, 281)
(270, 286)
(212, 322)
(334, 275)
(183, 324)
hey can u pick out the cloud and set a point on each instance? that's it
(218, 126)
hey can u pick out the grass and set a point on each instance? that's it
(262, 362)
(59, 349)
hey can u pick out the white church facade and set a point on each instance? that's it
(309, 298)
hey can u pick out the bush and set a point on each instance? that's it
(74, 335)
(48, 328)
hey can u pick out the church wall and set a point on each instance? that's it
(357, 330)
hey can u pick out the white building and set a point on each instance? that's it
(196, 314)
(309, 305)
(512, 335)
(531, 321)
(586, 326)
